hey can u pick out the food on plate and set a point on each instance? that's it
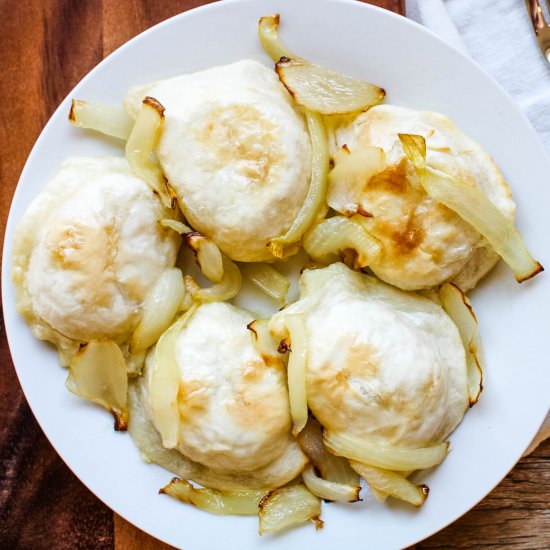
(459, 308)
(314, 87)
(268, 279)
(356, 378)
(473, 206)
(218, 403)
(106, 119)
(215, 266)
(386, 371)
(330, 239)
(236, 151)
(318, 91)
(87, 254)
(141, 147)
(98, 373)
(424, 243)
(288, 506)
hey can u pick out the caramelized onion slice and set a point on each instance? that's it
(288, 506)
(98, 373)
(268, 279)
(235, 503)
(391, 483)
(141, 146)
(474, 207)
(332, 468)
(268, 33)
(107, 119)
(313, 87)
(297, 366)
(206, 251)
(160, 307)
(458, 307)
(325, 91)
(226, 289)
(330, 490)
(328, 241)
(390, 458)
(314, 205)
(165, 380)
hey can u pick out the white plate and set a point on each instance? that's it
(418, 70)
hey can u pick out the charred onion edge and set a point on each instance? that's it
(284, 346)
(74, 102)
(155, 103)
(536, 271)
(121, 420)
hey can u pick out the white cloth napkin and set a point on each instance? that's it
(500, 37)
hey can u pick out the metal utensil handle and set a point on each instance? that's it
(537, 16)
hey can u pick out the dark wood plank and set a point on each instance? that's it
(516, 515)
(47, 47)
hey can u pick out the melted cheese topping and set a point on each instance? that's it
(383, 364)
(89, 249)
(424, 243)
(234, 410)
(236, 151)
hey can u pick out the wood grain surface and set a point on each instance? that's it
(47, 47)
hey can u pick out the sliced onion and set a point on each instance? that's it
(141, 145)
(165, 380)
(458, 307)
(160, 307)
(288, 506)
(268, 33)
(329, 490)
(314, 87)
(177, 226)
(392, 484)
(351, 173)
(107, 119)
(226, 289)
(314, 205)
(474, 207)
(297, 366)
(390, 458)
(208, 255)
(268, 279)
(98, 373)
(332, 468)
(328, 241)
(235, 503)
(206, 251)
(325, 91)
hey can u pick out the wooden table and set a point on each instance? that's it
(47, 47)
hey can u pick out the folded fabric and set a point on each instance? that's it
(499, 36)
